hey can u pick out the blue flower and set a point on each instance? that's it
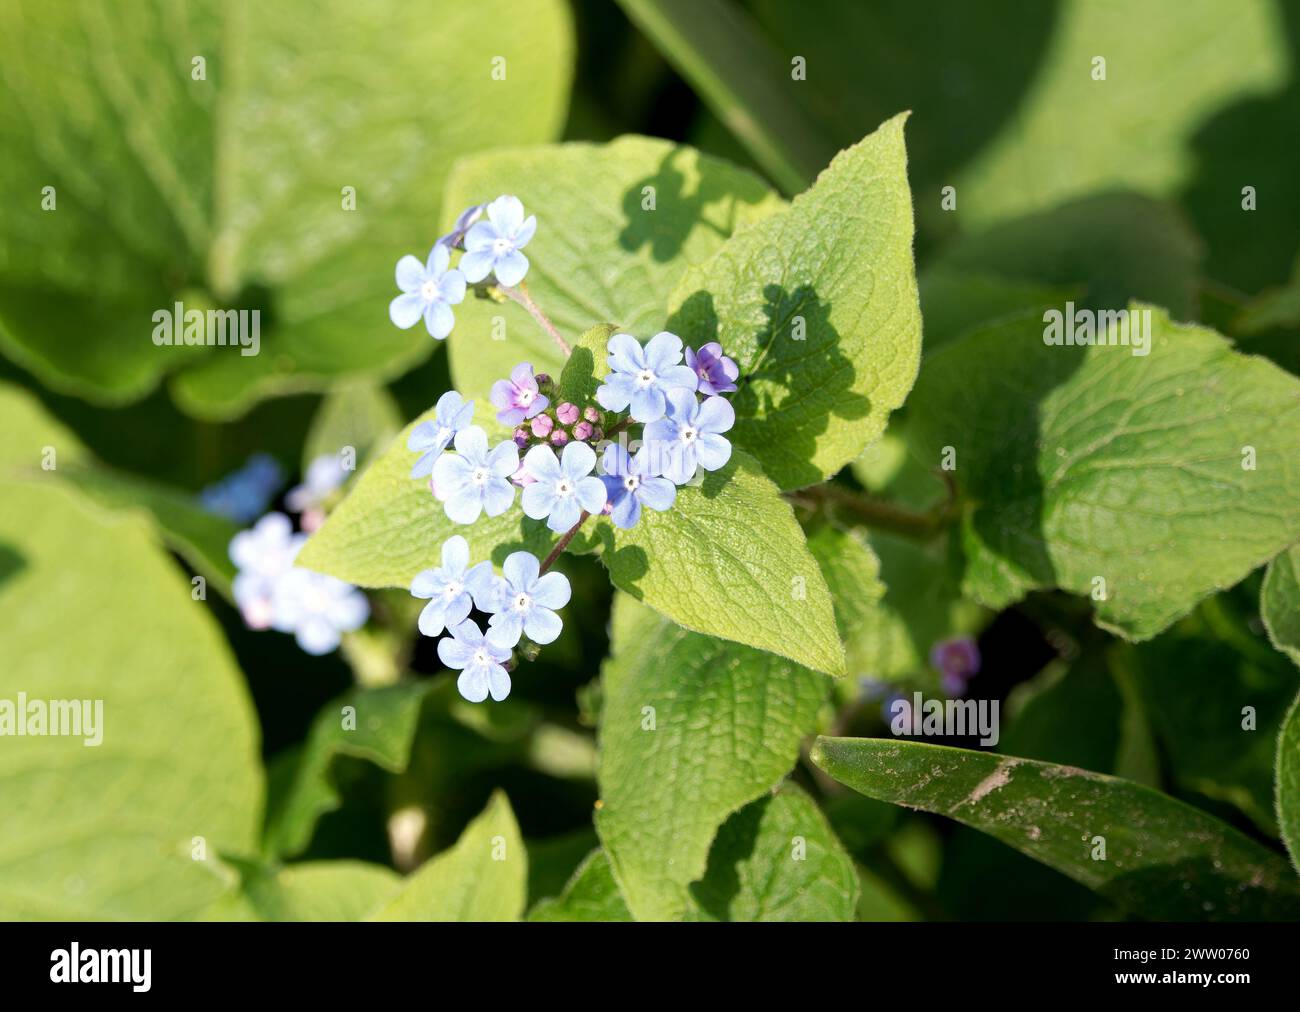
(262, 555)
(480, 662)
(492, 246)
(317, 609)
(454, 588)
(455, 239)
(690, 435)
(561, 489)
(526, 602)
(429, 439)
(428, 290)
(324, 476)
(474, 480)
(244, 495)
(632, 482)
(642, 377)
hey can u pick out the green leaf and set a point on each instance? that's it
(1279, 602)
(591, 895)
(389, 527)
(484, 877)
(1073, 135)
(1163, 860)
(717, 48)
(778, 859)
(363, 416)
(376, 724)
(1089, 464)
(310, 891)
(586, 366)
(618, 224)
(727, 721)
(109, 831)
(818, 306)
(1288, 782)
(227, 187)
(29, 431)
(730, 560)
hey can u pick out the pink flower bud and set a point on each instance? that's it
(567, 413)
(591, 414)
(521, 437)
(582, 431)
(542, 426)
(559, 437)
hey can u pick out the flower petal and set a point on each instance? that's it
(455, 554)
(591, 494)
(625, 354)
(712, 450)
(663, 351)
(507, 214)
(477, 263)
(485, 586)
(472, 442)
(498, 682)
(504, 629)
(678, 376)
(511, 268)
(438, 261)
(409, 273)
(473, 681)
(542, 625)
(498, 496)
(433, 618)
(524, 234)
(427, 583)
(626, 512)
(564, 514)
(577, 460)
(452, 286)
(503, 461)
(648, 404)
(316, 636)
(552, 590)
(715, 415)
(520, 569)
(538, 499)
(657, 493)
(540, 462)
(405, 310)
(439, 319)
(615, 394)
(463, 505)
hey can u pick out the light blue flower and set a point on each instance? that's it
(429, 439)
(429, 290)
(474, 479)
(561, 488)
(324, 476)
(244, 495)
(454, 588)
(526, 602)
(262, 555)
(492, 246)
(632, 482)
(481, 662)
(317, 609)
(642, 377)
(690, 435)
(455, 239)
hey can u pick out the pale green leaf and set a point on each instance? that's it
(310, 891)
(590, 895)
(729, 559)
(692, 729)
(484, 877)
(111, 830)
(1288, 782)
(1164, 860)
(818, 306)
(778, 859)
(1120, 476)
(1279, 602)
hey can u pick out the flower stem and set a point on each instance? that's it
(521, 296)
(877, 512)
(563, 543)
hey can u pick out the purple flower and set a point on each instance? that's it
(493, 246)
(631, 482)
(428, 290)
(717, 373)
(956, 659)
(690, 435)
(455, 239)
(641, 377)
(518, 398)
(481, 663)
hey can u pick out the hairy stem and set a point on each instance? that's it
(563, 543)
(521, 296)
(877, 512)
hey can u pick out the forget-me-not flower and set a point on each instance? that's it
(716, 372)
(691, 434)
(475, 480)
(632, 482)
(429, 439)
(526, 602)
(453, 588)
(245, 494)
(642, 377)
(262, 555)
(455, 239)
(429, 290)
(493, 246)
(324, 476)
(317, 609)
(562, 488)
(518, 398)
(481, 662)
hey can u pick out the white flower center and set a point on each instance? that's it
(481, 657)
(453, 590)
(501, 246)
(689, 433)
(564, 487)
(444, 433)
(480, 476)
(522, 602)
(525, 397)
(645, 378)
(429, 290)
(316, 599)
(631, 482)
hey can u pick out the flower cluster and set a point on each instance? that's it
(562, 453)
(272, 593)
